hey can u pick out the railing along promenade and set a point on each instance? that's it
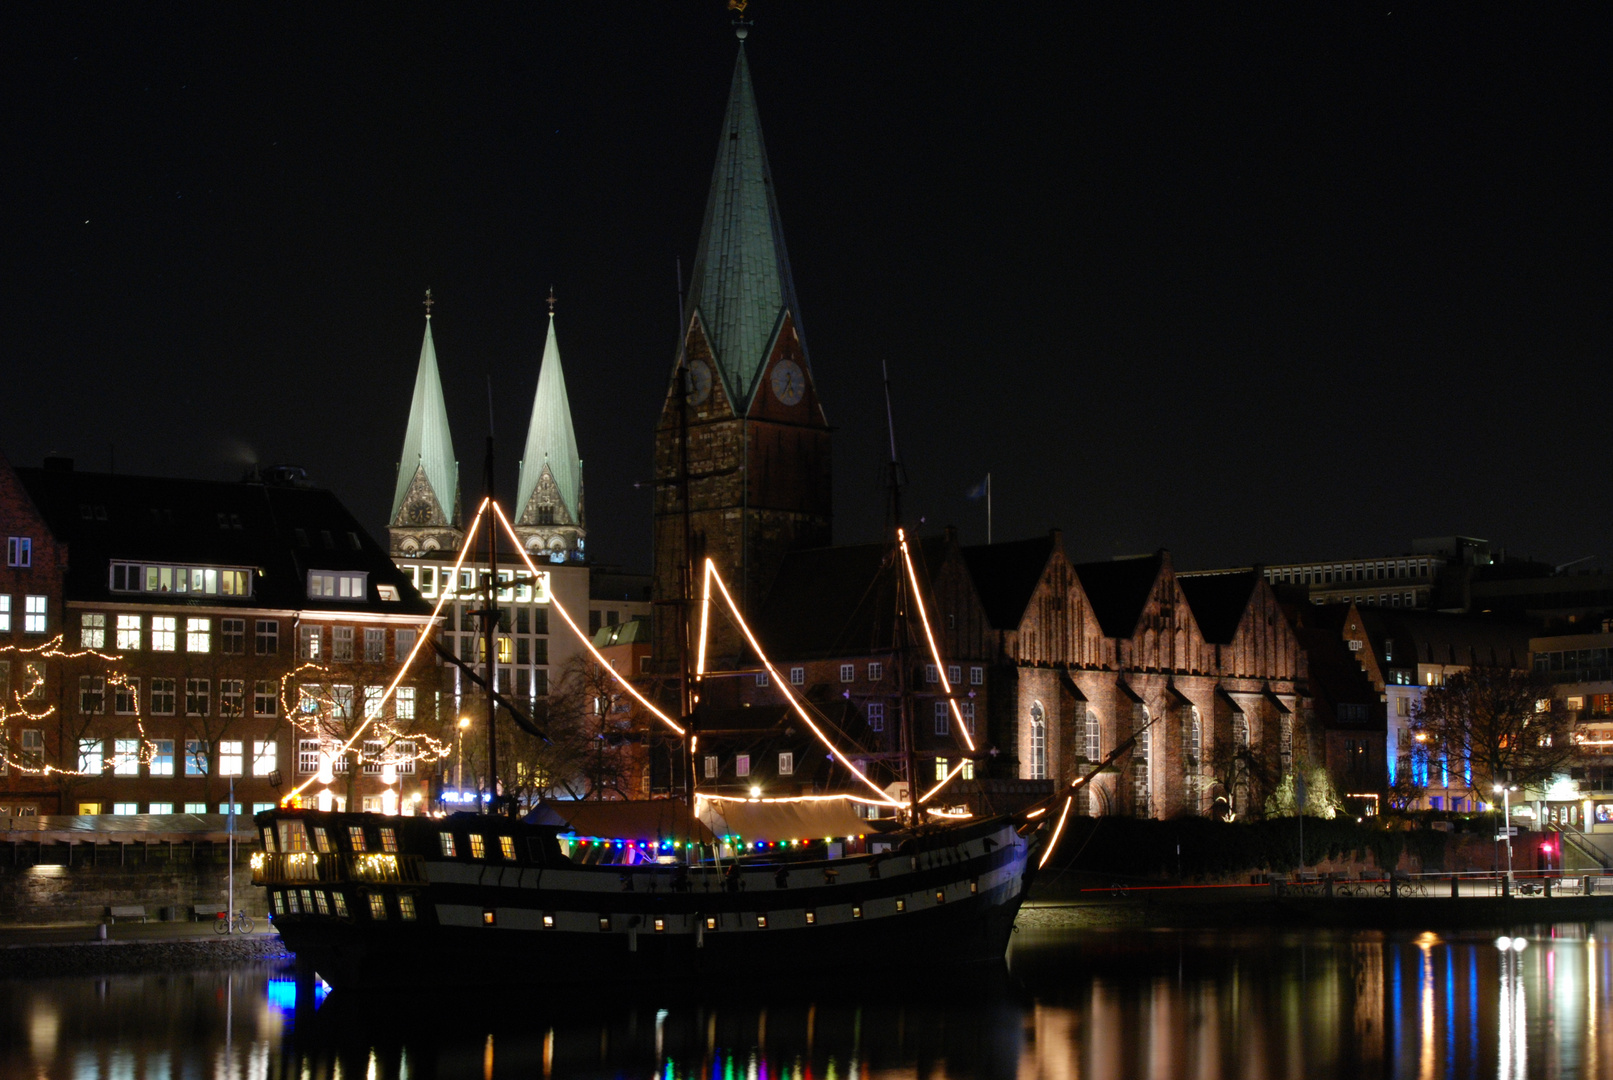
(1486, 884)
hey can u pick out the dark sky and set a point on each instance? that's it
(1252, 284)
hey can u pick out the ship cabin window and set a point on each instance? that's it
(940, 896)
(389, 840)
(660, 925)
(901, 905)
(377, 906)
(406, 907)
(268, 839)
(761, 922)
(974, 886)
(478, 847)
(355, 837)
(711, 922)
(291, 902)
(279, 903)
(604, 922)
(341, 903)
(857, 911)
(324, 905)
(548, 920)
(506, 847)
(489, 916)
(322, 840)
(293, 837)
(447, 839)
(811, 917)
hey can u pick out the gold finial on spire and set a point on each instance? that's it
(739, 6)
(429, 302)
(551, 301)
(741, 27)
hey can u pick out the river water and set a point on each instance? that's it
(1070, 1003)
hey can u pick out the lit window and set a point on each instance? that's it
(660, 925)
(19, 551)
(198, 635)
(341, 904)
(811, 917)
(742, 765)
(33, 619)
(374, 646)
(548, 921)
(92, 630)
(264, 754)
(848, 672)
(901, 905)
(355, 837)
(89, 756)
(336, 585)
(265, 701)
(372, 702)
(196, 763)
(876, 715)
(342, 644)
(389, 840)
(126, 757)
(478, 848)
(230, 755)
(164, 633)
(761, 922)
(324, 905)
(405, 703)
(940, 768)
(309, 642)
(322, 840)
(797, 676)
(406, 907)
(856, 911)
(230, 693)
(5, 613)
(162, 757)
(160, 808)
(604, 922)
(786, 764)
(125, 808)
(506, 847)
(377, 906)
(713, 767)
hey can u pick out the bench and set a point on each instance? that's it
(125, 911)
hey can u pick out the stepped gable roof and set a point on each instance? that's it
(550, 438)
(427, 443)
(1218, 602)
(741, 286)
(1006, 575)
(281, 530)
(1118, 590)
(838, 601)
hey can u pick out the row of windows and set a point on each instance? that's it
(334, 902)
(713, 765)
(1370, 600)
(167, 808)
(124, 757)
(472, 648)
(874, 711)
(517, 586)
(314, 755)
(347, 644)
(33, 614)
(1328, 574)
(164, 697)
(876, 672)
(189, 580)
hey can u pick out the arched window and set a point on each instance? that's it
(1038, 742)
(1240, 732)
(1195, 739)
(1094, 742)
(1140, 765)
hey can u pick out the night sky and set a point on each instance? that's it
(1251, 284)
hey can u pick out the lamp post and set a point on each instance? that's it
(1506, 822)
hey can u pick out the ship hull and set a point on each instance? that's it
(942, 900)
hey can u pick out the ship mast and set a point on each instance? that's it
(894, 482)
(490, 617)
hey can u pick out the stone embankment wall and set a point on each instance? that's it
(77, 883)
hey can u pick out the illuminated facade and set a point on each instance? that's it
(757, 467)
(1087, 654)
(205, 632)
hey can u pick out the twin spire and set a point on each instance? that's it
(426, 510)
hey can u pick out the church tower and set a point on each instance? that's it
(757, 446)
(425, 503)
(549, 509)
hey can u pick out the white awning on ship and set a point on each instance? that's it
(823, 819)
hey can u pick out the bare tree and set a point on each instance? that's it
(1502, 722)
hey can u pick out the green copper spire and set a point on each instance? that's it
(742, 285)
(428, 450)
(551, 446)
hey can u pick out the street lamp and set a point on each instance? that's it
(1506, 821)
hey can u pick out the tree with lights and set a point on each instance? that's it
(1503, 722)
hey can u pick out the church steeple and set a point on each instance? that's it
(549, 491)
(425, 502)
(746, 436)
(742, 288)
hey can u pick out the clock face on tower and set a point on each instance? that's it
(789, 383)
(699, 382)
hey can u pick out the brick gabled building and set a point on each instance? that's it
(206, 631)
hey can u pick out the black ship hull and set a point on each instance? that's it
(402, 920)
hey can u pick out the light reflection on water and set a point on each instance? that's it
(1074, 1004)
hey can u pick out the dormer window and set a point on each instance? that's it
(337, 585)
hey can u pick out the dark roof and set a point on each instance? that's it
(1335, 673)
(1432, 637)
(279, 530)
(1006, 576)
(1118, 590)
(838, 601)
(1218, 602)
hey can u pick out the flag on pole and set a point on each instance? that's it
(980, 490)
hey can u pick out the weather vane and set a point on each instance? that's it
(739, 6)
(551, 301)
(429, 302)
(741, 27)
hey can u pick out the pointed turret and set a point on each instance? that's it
(549, 491)
(425, 503)
(742, 288)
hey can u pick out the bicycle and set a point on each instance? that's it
(241, 924)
